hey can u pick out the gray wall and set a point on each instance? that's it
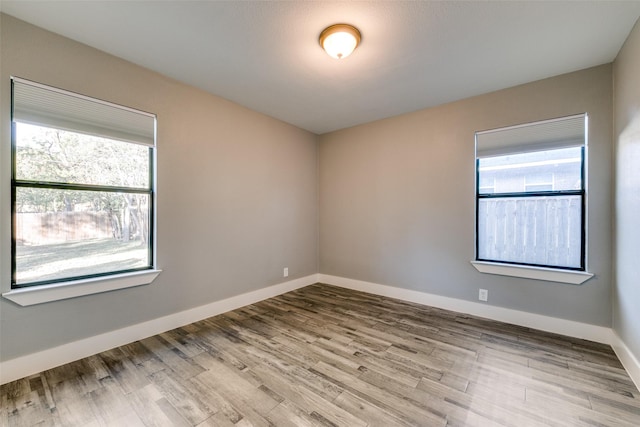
(626, 294)
(237, 194)
(397, 198)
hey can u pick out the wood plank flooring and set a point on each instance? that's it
(326, 356)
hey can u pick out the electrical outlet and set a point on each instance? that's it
(483, 295)
(286, 272)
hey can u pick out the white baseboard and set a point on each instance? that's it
(24, 366)
(30, 364)
(570, 328)
(628, 359)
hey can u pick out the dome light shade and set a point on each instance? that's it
(340, 40)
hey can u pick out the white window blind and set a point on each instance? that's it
(51, 107)
(563, 132)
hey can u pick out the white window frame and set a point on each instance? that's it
(63, 289)
(562, 275)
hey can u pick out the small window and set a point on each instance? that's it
(82, 186)
(534, 214)
(487, 184)
(536, 182)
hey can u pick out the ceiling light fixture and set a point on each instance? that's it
(340, 40)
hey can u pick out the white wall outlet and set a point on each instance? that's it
(483, 295)
(285, 273)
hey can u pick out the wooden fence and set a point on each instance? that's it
(545, 230)
(60, 227)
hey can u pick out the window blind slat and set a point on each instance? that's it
(37, 104)
(551, 134)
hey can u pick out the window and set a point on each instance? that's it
(487, 184)
(533, 213)
(538, 182)
(82, 187)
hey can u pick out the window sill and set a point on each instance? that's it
(59, 291)
(537, 273)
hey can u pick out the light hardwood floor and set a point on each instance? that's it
(325, 356)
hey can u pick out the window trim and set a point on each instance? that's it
(32, 295)
(57, 289)
(573, 275)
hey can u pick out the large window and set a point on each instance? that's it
(530, 194)
(82, 186)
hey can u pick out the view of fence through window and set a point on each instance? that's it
(530, 208)
(82, 205)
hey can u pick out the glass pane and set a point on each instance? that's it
(46, 154)
(531, 230)
(61, 234)
(552, 170)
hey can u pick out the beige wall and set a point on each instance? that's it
(237, 194)
(397, 198)
(626, 290)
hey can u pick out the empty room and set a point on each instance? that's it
(319, 213)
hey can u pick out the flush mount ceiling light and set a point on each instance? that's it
(340, 40)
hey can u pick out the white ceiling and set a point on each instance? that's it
(414, 54)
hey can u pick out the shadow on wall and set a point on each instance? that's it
(628, 233)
